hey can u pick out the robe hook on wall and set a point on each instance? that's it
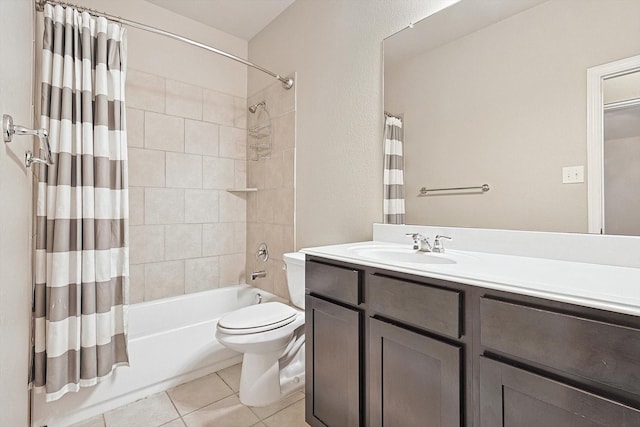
(9, 129)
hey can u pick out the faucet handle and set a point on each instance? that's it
(438, 247)
(416, 240)
(420, 243)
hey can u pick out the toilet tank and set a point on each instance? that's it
(295, 277)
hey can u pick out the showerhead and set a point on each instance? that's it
(254, 107)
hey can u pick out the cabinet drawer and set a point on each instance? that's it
(339, 283)
(428, 307)
(597, 351)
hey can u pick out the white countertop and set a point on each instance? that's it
(598, 286)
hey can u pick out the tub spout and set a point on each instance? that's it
(257, 274)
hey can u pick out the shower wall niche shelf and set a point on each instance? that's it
(242, 190)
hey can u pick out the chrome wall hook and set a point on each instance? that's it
(9, 129)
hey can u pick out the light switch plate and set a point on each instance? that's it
(572, 174)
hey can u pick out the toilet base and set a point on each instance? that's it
(267, 378)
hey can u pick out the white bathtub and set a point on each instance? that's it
(171, 341)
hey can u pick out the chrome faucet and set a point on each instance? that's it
(420, 243)
(438, 247)
(257, 274)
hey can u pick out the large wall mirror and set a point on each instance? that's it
(495, 92)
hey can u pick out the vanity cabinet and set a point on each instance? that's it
(387, 348)
(414, 379)
(333, 346)
(513, 397)
(539, 351)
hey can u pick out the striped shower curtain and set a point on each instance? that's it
(393, 172)
(81, 248)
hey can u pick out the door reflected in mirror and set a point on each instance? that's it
(621, 154)
(496, 92)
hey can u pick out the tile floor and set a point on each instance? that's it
(205, 402)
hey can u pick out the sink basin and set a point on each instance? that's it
(401, 255)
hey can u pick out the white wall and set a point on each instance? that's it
(16, 33)
(173, 59)
(335, 46)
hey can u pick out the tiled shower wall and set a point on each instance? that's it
(186, 147)
(270, 210)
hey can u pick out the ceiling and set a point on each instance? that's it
(241, 18)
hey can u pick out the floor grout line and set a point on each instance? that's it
(260, 422)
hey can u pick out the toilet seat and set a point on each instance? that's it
(257, 318)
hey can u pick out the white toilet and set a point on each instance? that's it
(271, 337)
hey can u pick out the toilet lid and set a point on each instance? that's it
(257, 318)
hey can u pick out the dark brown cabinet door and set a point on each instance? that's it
(512, 397)
(333, 382)
(415, 379)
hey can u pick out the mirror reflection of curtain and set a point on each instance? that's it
(81, 247)
(393, 171)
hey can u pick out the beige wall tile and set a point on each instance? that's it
(184, 170)
(146, 243)
(136, 205)
(199, 393)
(145, 91)
(266, 205)
(183, 100)
(218, 173)
(240, 112)
(240, 237)
(255, 235)
(252, 207)
(240, 175)
(288, 239)
(135, 128)
(163, 132)
(233, 207)
(163, 206)
(284, 206)
(163, 280)
(266, 283)
(273, 238)
(233, 142)
(256, 174)
(273, 171)
(279, 101)
(288, 168)
(201, 138)
(154, 410)
(201, 206)
(232, 269)
(183, 241)
(201, 274)
(136, 283)
(218, 239)
(284, 134)
(218, 108)
(146, 168)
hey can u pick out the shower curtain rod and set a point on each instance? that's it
(287, 83)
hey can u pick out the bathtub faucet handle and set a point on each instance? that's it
(258, 298)
(263, 252)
